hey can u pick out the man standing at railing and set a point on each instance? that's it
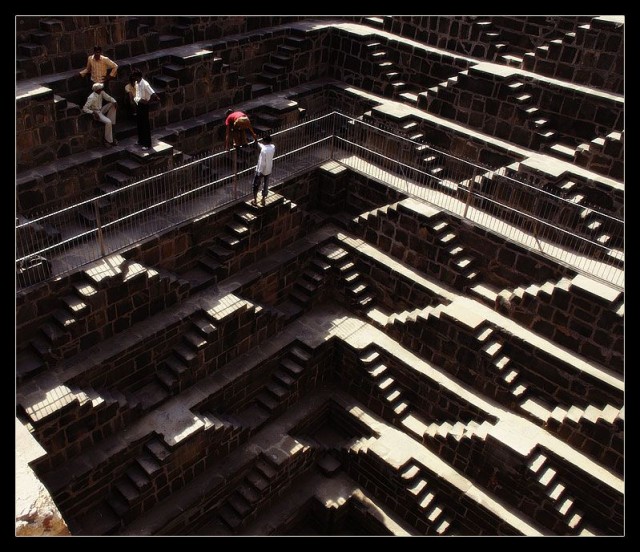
(263, 168)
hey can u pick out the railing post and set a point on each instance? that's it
(535, 222)
(234, 161)
(333, 134)
(469, 195)
(99, 225)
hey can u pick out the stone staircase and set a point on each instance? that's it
(549, 415)
(281, 388)
(276, 73)
(453, 255)
(561, 498)
(70, 327)
(416, 481)
(231, 249)
(459, 266)
(394, 403)
(604, 155)
(68, 420)
(484, 31)
(397, 319)
(307, 288)
(269, 476)
(56, 333)
(357, 292)
(522, 295)
(389, 80)
(492, 348)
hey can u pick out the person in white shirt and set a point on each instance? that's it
(103, 108)
(144, 94)
(129, 95)
(263, 168)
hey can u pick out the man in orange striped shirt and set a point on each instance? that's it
(98, 66)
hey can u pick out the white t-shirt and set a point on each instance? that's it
(265, 159)
(143, 91)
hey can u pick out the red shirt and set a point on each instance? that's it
(233, 116)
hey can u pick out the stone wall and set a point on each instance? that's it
(56, 44)
(522, 109)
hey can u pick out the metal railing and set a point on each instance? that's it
(572, 234)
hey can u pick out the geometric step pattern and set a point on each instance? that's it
(492, 349)
(564, 503)
(416, 480)
(284, 380)
(537, 408)
(356, 291)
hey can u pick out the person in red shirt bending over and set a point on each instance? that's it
(237, 124)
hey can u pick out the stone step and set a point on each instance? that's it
(418, 486)
(267, 401)
(28, 363)
(370, 357)
(394, 395)
(265, 469)
(299, 355)
(220, 253)
(157, 449)
(117, 504)
(300, 297)
(307, 287)
(546, 476)
(291, 367)
(386, 383)
(211, 265)
(329, 465)
(313, 276)
(194, 340)
(277, 391)
(148, 464)
(204, 327)
(283, 378)
(248, 493)
(239, 504)
(138, 477)
(257, 480)
(410, 472)
(443, 526)
(229, 516)
(127, 490)
(377, 370)
(492, 348)
(182, 355)
(366, 301)
(232, 243)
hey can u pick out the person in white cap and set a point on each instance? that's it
(103, 108)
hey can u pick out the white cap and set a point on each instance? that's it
(97, 86)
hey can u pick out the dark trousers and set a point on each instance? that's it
(256, 184)
(144, 129)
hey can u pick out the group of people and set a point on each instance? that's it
(138, 95)
(237, 124)
(103, 107)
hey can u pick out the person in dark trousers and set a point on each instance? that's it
(237, 123)
(129, 95)
(144, 94)
(263, 168)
